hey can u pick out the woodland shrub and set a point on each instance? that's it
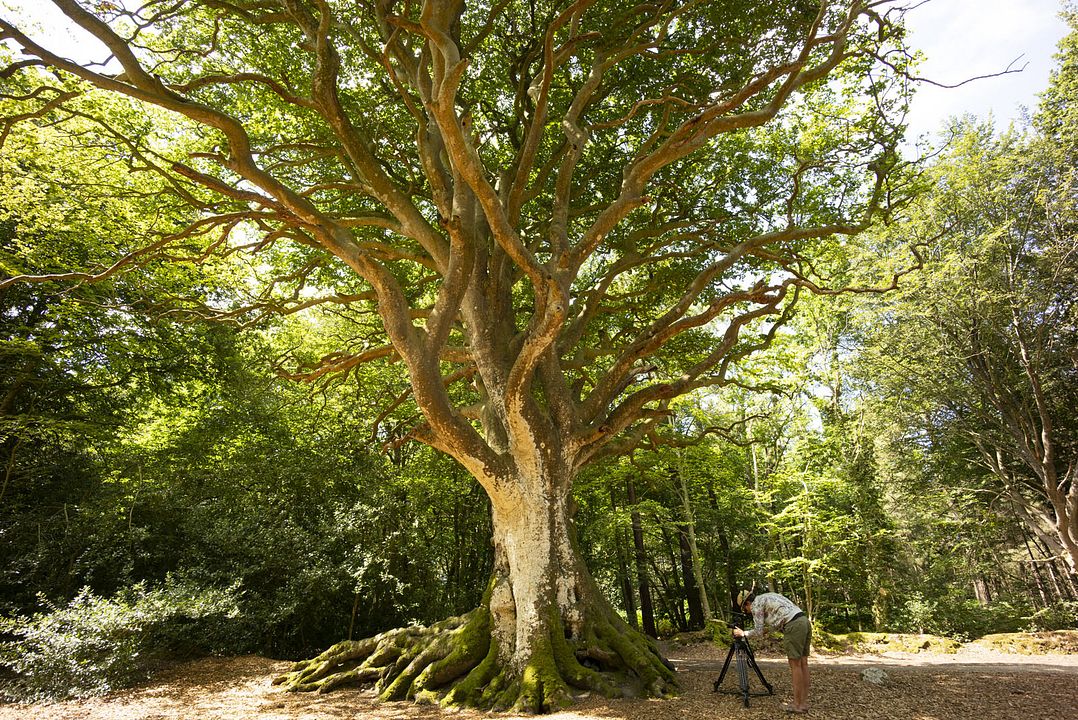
(93, 645)
(1060, 616)
(960, 617)
(917, 615)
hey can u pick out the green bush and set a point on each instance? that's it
(1061, 616)
(720, 632)
(93, 645)
(664, 627)
(958, 617)
(917, 615)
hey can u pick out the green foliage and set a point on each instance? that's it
(1062, 615)
(133, 446)
(1057, 116)
(135, 449)
(92, 645)
(878, 642)
(211, 467)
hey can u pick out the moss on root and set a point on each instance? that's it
(457, 663)
(394, 661)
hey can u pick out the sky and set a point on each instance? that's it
(961, 39)
(967, 38)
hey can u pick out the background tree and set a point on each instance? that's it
(76, 363)
(555, 217)
(145, 455)
(991, 364)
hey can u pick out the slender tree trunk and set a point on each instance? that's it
(846, 607)
(694, 553)
(9, 466)
(724, 548)
(647, 610)
(1050, 571)
(692, 592)
(673, 596)
(1070, 581)
(628, 599)
(1033, 569)
(731, 574)
(668, 597)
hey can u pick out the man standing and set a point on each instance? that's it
(771, 610)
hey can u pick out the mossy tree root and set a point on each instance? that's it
(457, 663)
(399, 663)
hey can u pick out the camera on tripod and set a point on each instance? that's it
(741, 654)
(738, 619)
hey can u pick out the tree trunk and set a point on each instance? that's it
(673, 587)
(695, 570)
(1033, 569)
(647, 609)
(731, 574)
(692, 592)
(724, 547)
(1069, 579)
(628, 599)
(543, 633)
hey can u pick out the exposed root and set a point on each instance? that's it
(457, 663)
(399, 663)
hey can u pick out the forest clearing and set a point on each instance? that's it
(976, 683)
(470, 353)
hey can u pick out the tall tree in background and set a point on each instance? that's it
(555, 216)
(989, 344)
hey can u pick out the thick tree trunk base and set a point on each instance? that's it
(457, 663)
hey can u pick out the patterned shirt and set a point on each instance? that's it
(771, 610)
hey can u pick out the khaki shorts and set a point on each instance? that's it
(796, 637)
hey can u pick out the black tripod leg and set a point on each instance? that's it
(743, 676)
(725, 667)
(759, 673)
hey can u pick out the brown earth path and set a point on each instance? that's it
(979, 685)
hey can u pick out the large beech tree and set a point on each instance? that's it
(555, 216)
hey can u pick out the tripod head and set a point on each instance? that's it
(740, 643)
(738, 621)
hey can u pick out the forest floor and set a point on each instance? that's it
(976, 683)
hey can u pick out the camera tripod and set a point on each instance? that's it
(743, 658)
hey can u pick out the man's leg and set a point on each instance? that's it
(799, 682)
(805, 678)
(795, 641)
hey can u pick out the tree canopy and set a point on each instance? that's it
(502, 178)
(552, 240)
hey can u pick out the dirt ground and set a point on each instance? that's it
(980, 685)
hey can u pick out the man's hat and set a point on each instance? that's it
(744, 595)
